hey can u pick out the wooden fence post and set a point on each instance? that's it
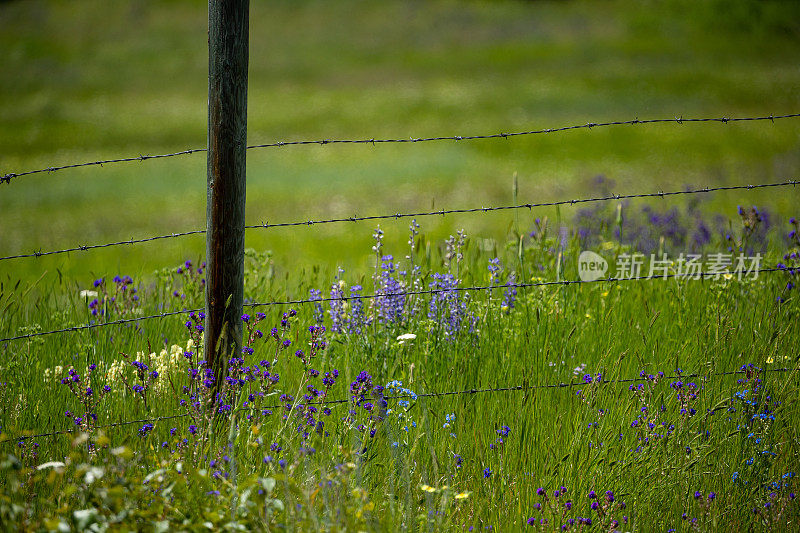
(228, 50)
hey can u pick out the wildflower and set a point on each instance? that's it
(427, 488)
(406, 337)
(487, 472)
(462, 495)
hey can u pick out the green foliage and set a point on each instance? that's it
(675, 424)
(95, 79)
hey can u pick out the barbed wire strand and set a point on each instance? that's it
(441, 212)
(523, 387)
(696, 276)
(83, 248)
(701, 275)
(99, 324)
(677, 120)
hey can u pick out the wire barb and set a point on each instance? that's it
(434, 395)
(419, 214)
(566, 282)
(680, 120)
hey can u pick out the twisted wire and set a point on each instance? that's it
(419, 214)
(502, 135)
(98, 325)
(523, 387)
(701, 275)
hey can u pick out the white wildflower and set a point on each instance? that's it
(93, 474)
(88, 294)
(406, 337)
(115, 371)
(51, 464)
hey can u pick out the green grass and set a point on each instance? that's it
(90, 80)
(77, 89)
(702, 327)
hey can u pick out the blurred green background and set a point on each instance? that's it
(82, 80)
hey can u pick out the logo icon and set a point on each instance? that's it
(591, 266)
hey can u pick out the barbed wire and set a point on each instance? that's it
(104, 426)
(99, 325)
(442, 212)
(701, 275)
(695, 276)
(677, 120)
(523, 387)
(419, 214)
(8, 177)
(83, 248)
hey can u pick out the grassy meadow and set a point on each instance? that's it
(87, 80)
(655, 405)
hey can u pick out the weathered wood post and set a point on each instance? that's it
(228, 50)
